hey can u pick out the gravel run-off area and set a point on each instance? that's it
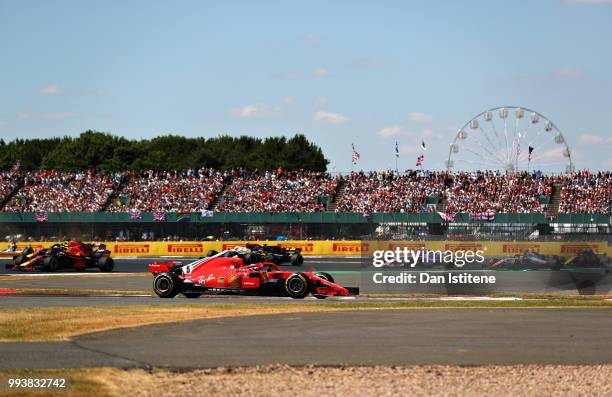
(436, 380)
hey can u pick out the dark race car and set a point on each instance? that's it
(229, 272)
(271, 253)
(528, 261)
(73, 255)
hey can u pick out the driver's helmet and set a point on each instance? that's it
(241, 250)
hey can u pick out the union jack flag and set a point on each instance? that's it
(159, 216)
(135, 214)
(420, 160)
(447, 217)
(42, 217)
(355, 156)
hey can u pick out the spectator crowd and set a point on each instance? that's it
(51, 191)
(8, 183)
(585, 192)
(389, 191)
(169, 191)
(303, 191)
(278, 192)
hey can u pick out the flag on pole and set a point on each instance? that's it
(396, 150)
(423, 145)
(447, 217)
(530, 152)
(354, 156)
(420, 160)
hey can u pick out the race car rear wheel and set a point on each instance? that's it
(164, 285)
(297, 259)
(51, 263)
(192, 295)
(297, 286)
(106, 264)
(251, 258)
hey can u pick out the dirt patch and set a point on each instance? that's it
(367, 381)
(436, 380)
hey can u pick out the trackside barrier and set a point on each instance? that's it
(342, 248)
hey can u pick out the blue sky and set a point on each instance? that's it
(371, 73)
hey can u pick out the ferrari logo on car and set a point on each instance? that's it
(220, 280)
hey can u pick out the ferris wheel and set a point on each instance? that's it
(510, 138)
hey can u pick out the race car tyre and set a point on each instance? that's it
(297, 259)
(51, 263)
(20, 259)
(164, 285)
(106, 264)
(250, 259)
(192, 295)
(326, 277)
(297, 286)
(211, 253)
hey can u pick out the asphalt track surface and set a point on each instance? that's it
(381, 337)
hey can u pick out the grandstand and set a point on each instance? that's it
(301, 192)
(303, 204)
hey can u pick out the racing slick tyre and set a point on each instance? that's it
(106, 264)
(250, 259)
(165, 286)
(192, 295)
(297, 259)
(20, 259)
(211, 253)
(297, 286)
(326, 277)
(51, 263)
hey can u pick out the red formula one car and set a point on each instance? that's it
(229, 273)
(73, 255)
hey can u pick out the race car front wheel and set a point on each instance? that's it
(326, 277)
(51, 263)
(297, 286)
(164, 285)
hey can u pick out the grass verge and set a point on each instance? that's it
(60, 323)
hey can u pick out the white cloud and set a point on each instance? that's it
(420, 117)
(322, 100)
(568, 72)
(589, 139)
(330, 118)
(312, 38)
(257, 110)
(410, 149)
(388, 132)
(46, 115)
(320, 72)
(589, 2)
(51, 89)
(289, 99)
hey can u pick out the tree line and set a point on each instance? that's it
(106, 152)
